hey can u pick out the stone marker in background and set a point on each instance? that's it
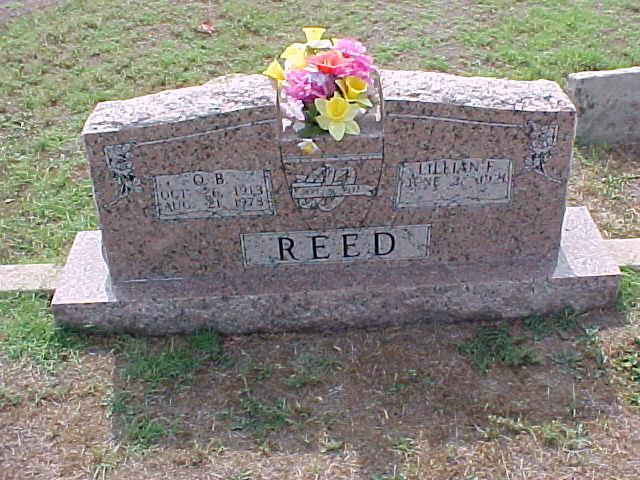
(608, 104)
(451, 208)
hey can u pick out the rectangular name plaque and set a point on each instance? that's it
(341, 245)
(445, 183)
(221, 193)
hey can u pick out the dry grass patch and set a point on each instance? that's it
(393, 403)
(607, 181)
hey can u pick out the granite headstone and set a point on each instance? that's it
(608, 104)
(450, 207)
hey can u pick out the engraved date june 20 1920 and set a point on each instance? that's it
(221, 193)
(445, 183)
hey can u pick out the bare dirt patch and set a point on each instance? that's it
(11, 9)
(349, 405)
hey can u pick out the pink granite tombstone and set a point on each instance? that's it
(451, 207)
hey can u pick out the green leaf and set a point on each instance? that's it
(310, 131)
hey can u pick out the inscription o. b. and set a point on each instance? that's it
(221, 193)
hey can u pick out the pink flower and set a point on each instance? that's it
(331, 62)
(293, 109)
(361, 64)
(307, 86)
(350, 47)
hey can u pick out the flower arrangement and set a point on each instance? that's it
(324, 86)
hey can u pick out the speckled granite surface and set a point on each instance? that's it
(608, 103)
(451, 208)
(501, 151)
(28, 277)
(586, 277)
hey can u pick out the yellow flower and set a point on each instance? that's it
(308, 146)
(296, 54)
(275, 71)
(314, 34)
(354, 89)
(337, 115)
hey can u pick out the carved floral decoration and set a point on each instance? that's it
(119, 163)
(542, 139)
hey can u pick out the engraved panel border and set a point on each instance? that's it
(406, 168)
(418, 238)
(202, 201)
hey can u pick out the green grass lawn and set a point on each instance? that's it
(57, 63)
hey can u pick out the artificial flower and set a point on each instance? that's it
(293, 108)
(314, 38)
(324, 85)
(308, 146)
(295, 54)
(275, 71)
(349, 47)
(307, 86)
(314, 34)
(330, 63)
(360, 64)
(354, 89)
(337, 116)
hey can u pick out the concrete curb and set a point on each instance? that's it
(41, 277)
(626, 251)
(26, 278)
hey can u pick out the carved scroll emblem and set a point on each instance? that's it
(119, 163)
(326, 187)
(542, 139)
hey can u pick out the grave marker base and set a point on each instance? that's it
(586, 277)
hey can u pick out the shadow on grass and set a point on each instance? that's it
(371, 396)
(382, 403)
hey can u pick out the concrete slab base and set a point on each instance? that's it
(586, 277)
(625, 251)
(39, 277)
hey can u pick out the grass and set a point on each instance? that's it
(605, 179)
(224, 413)
(303, 405)
(404, 446)
(173, 363)
(542, 327)
(553, 434)
(260, 418)
(27, 331)
(629, 296)
(627, 364)
(162, 367)
(548, 39)
(492, 344)
(168, 367)
(143, 433)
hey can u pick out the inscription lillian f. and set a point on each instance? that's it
(468, 181)
(340, 245)
(221, 193)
